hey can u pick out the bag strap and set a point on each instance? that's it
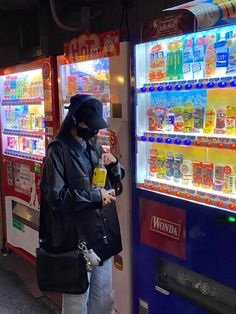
(67, 171)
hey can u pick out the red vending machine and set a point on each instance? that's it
(29, 119)
(98, 65)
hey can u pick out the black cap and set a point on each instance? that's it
(89, 110)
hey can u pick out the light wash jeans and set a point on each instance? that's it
(98, 299)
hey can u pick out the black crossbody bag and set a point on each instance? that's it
(62, 272)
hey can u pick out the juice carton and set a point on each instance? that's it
(179, 121)
(169, 164)
(161, 118)
(187, 115)
(161, 168)
(170, 120)
(157, 64)
(198, 118)
(207, 175)
(152, 160)
(199, 57)
(209, 121)
(152, 70)
(161, 65)
(188, 59)
(220, 127)
(12, 142)
(179, 59)
(177, 166)
(231, 43)
(219, 177)
(231, 120)
(170, 63)
(153, 154)
(221, 48)
(26, 145)
(210, 58)
(152, 119)
(186, 169)
(197, 173)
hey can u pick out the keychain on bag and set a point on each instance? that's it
(91, 258)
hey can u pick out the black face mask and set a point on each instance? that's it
(86, 133)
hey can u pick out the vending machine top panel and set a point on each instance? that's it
(209, 13)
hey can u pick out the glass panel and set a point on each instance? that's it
(92, 78)
(22, 112)
(200, 55)
(25, 214)
(186, 116)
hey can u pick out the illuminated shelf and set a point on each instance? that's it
(222, 141)
(180, 85)
(25, 155)
(25, 101)
(192, 193)
(30, 133)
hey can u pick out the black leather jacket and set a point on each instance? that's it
(71, 209)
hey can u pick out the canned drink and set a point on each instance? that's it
(34, 145)
(219, 172)
(219, 177)
(197, 173)
(186, 168)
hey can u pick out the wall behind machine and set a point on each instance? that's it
(28, 29)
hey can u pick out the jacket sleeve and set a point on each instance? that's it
(59, 195)
(117, 170)
(115, 174)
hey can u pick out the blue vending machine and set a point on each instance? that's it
(184, 200)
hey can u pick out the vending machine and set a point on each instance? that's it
(184, 198)
(107, 79)
(29, 119)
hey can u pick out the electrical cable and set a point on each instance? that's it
(127, 24)
(67, 27)
(124, 20)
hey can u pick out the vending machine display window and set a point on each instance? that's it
(186, 117)
(92, 78)
(22, 115)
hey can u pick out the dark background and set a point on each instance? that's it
(28, 29)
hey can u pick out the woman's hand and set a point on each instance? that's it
(108, 158)
(106, 197)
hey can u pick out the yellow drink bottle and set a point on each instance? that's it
(99, 175)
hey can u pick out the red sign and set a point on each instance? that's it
(163, 227)
(92, 46)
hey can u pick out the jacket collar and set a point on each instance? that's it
(73, 144)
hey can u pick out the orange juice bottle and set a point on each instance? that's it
(210, 60)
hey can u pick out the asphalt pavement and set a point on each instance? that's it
(16, 298)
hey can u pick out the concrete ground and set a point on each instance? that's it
(15, 296)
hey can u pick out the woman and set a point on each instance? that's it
(73, 210)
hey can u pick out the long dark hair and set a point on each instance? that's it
(67, 125)
(72, 119)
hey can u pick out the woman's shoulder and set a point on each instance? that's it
(54, 148)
